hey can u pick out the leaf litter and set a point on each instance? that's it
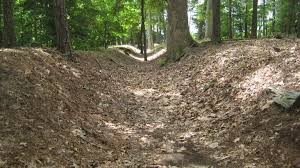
(211, 109)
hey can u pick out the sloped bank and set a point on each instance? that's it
(106, 110)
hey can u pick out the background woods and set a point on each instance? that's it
(100, 23)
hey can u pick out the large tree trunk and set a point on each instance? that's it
(213, 20)
(216, 36)
(179, 36)
(209, 20)
(9, 36)
(254, 20)
(63, 43)
(230, 34)
(143, 30)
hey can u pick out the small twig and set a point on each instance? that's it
(98, 63)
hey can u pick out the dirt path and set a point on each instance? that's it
(183, 122)
(108, 110)
(135, 53)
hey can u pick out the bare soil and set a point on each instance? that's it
(210, 109)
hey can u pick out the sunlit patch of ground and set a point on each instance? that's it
(260, 80)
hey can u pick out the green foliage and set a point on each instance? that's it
(162, 62)
(96, 24)
(93, 24)
(285, 19)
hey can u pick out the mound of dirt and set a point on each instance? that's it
(211, 109)
(52, 109)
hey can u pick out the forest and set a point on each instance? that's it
(150, 83)
(92, 24)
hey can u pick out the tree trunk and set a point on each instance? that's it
(230, 34)
(164, 26)
(213, 21)
(149, 32)
(254, 20)
(298, 24)
(179, 36)
(1, 28)
(264, 18)
(143, 30)
(209, 20)
(63, 43)
(216, 37)
(140, 37)
(9, 36)
(274, 16)
(105, 34)
(246, 20)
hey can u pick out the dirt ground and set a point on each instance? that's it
(210, 110)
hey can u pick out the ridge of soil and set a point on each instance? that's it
(211, 109)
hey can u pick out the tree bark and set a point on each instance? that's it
(150, 32)
(264, 18)
(63, 43)
(246, 20)
(274, 16)
(216, 36)
(1, 28)
(298, 21)
(230, 34)
(209, 19)
(9, 36)
(213, 21)
(143, 30)
(254, 20)
(179, 36)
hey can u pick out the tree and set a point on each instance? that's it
(63, 43)
(246, 20)
(150, 32)
(143, 31)
(254, 20)
(209, 19)
(274, 15)
(230, 34)
(264, 18)
(9, 36)
(179, 36)
(213, 21)
(216, 36)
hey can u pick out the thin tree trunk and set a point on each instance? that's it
(164, 26)
(1, 28)
(254, 20)
(246, 20)
(105, 34)
(63, 43)
(150, 34)
(264, 18)
(140, 37)
(298, 23)
(230, 34)
(143, 30)
(179, 36)
(274, 16)
(9, 36)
